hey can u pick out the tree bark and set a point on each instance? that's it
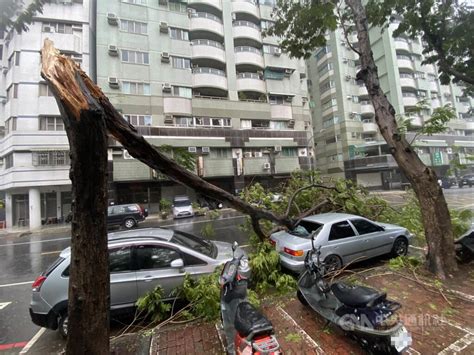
(435, 213)
(88, 302)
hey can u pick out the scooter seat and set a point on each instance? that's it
(356, 296)
(250, 321)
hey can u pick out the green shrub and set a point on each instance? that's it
(151, 305)
(165, 205)
(214, 214)
(207, 231)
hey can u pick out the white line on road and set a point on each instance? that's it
(34, 242)
(305, 335)
(32, 341)
(4, 304)
(17, 284)
(51, 252)
(196, 222)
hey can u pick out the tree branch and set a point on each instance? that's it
(290, 202)
(258, 229)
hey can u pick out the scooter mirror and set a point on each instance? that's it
(235, 246)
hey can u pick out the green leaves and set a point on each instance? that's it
(152, 305)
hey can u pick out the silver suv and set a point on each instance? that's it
(139, 260)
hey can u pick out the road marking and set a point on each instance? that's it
(35, 242)
(197, 222)
(4, 304)
(32, 341)
(459, 345)
(51, 252)
(17, 284)
(12, 346)
(305, 335)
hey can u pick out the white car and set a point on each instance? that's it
(182, 207)
(343, 238)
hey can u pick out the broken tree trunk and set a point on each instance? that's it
(88, 300)
(434, 209)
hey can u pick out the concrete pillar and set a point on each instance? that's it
(9, 209)
(34, 198)
(58, 204)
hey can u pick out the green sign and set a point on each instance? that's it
(437, 158)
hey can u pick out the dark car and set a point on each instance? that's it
(447, 181)
(126, 215)
(466, 180)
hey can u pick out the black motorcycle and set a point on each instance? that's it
(361, 312)
(464, 247)
(246, 330)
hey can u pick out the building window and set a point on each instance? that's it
(322, 52)
(133, 27)
(265, 24)
(289, 152)
(330, 121)
(45, 90)
(254, 124)
(12, 92)
(212, 122)
(327, 86)
(135, 2)
(138, 120)
(51, 158)
(8, 160)
(276, 100)
(177, 6)
(329, 103)
(135, 57)
(181, 63)
(220, 153)
(324, 68)
(14, 60)
(182, 121)
(10, 125)
(270, 49)
(1, 51)
(178, 33)
(134, 88)
(51, 123)
(277, 125)
(182, 91)
(59, 27)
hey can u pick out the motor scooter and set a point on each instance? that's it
(363, 313)
(245, 329)
(464, 247)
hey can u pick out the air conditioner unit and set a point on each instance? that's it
(191, 12)
(247, 154)
(266, 166)
(168, 120)
(166, 87)
(112, 19)
(48, 29)
(449, 150)
(113, 82)
(277, 148)
(113, 50)
(163, 2)
(349, 97)
(288, 72)
(126, 155)
(258, 154)
(348, 77)
(206, 150)
(164, 27)
(192, 149)
(353, 114)
(302, 75)
(345, 60)
(66, 2)
(289, 99)
(165, 57)
(291, 123)
(277, 52)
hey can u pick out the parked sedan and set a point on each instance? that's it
(139, 260)
(466, 180)
(343, 237)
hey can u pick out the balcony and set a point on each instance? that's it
(409, 99)
(286, 164)
(246, 55)
(130, 169)
(217, 4)
(255, 166)
(363, 90)
(246, 6)
(71, 43)
(205, 48)
(404, 62)
(177, 105)
(281, 111)
(209, 77)
(369, 127)
(366, 108)
(407, 81)
(251, 82)
(402, 44)
(218, 167)
(204, 21)
(247, 30)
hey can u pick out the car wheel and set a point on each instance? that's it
(332, 263)
(301, 298)
(63, 323)
(129, 223)
(400, 247)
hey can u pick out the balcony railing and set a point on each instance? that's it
(246, 24)
(208, 71)
(249, 76)
(206, 15)
(207, 42)
(248, 49)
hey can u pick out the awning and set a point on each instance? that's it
(430, 143)
(464, 143)
(281, 94)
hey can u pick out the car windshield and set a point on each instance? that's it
(190, 241)
(182, 203)
(305, 228)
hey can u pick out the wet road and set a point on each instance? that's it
(22, 259)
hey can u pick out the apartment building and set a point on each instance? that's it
(199, 75)
(348, 140)
(34, 150)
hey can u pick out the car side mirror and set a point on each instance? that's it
(235, 246)
(177, 264)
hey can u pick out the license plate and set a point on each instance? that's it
(401, 339)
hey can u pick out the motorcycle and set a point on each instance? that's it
(464, 247)
(361, 312)
(245, 329)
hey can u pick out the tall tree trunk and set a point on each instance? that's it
(435, 213)
(88, 302)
